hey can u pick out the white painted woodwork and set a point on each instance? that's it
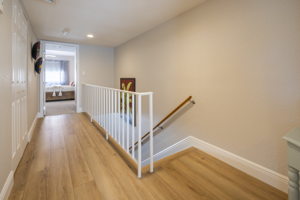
(105, 107)
(293, 140)
(19, 83)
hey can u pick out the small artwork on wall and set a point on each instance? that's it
(128, 84)
(36, 56)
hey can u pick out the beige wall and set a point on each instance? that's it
(5, 83)
(33, 83)
(96, 65)
(240, 61)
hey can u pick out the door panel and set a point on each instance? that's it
(19, 83)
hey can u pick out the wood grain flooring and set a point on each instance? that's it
(60, 107)
(68, 159)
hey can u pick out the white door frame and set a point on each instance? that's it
(77, 77)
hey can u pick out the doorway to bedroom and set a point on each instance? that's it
(59, 78)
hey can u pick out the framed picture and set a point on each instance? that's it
(128, 84)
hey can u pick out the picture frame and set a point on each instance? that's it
(128, 84)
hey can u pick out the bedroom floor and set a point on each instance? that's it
(60, 107)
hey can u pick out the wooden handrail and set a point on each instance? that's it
(166, 118)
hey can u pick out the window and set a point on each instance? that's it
(56, 72)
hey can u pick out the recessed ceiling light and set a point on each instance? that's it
(90, 36)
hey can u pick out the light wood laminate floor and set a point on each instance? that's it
(68, 159)
(60, 107)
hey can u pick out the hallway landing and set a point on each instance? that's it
(68, 159)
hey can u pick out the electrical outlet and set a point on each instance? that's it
(1, 7)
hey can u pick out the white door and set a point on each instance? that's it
(19, 83)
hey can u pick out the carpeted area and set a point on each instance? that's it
(60, 107)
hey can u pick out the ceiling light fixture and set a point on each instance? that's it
(90, 36)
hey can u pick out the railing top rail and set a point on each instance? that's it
(118, 90)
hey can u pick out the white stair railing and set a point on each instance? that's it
(119, 113)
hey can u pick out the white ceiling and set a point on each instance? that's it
(113, 22)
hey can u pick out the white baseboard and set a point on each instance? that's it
(264, 174)
(79, 109)
(177, 147)
(30, 132)
(7, 186)
(39, 115)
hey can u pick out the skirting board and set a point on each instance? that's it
(264, 174)
(79, 109)
(7, 186)
(30, 132)
(39, 115)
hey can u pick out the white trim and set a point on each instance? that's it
(7, 186)
(42, 76)
(30, 132)
(79, 109)
(42, 85)
(177, 147)
(264, 174)
(39, 115)
(77, 78)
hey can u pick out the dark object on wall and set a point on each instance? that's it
(128, 84)
(38, 65)
(67, 95)
(35, 52)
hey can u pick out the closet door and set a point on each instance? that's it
(19, 83)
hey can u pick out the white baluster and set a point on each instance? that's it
(106, 113)
(97, 105)
(140, 136)
(123, 124)
(85, 99)
(103, 111)
(111, 114)
(92, 104)
(105, 107)
(89, 100)
(115, 112)
(100, 106)
(119, 118)
(132, 125)
(151, 131)
(127, 121)
(109, 111)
